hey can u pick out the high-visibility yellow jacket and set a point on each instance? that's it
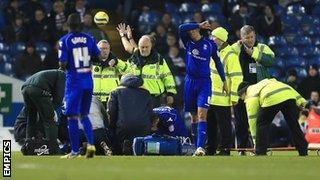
(232, 69)
(266, 93)
(264, 57)
(105, 80)
(155, 72)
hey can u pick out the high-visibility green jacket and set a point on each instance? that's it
(154, 70)
(232, 70)
(266, 93)
(105, 80)
(264, 57)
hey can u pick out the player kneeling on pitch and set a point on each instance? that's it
(170, 137)
(263, 101)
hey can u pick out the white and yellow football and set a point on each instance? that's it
(101, 18)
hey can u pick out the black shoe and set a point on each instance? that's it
(303, 152)
(127, 147)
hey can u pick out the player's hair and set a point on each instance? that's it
(74, 22)
(246, 29)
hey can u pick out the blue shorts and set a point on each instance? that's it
(197, 93)
(78, 101)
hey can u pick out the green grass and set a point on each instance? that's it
(282, 165)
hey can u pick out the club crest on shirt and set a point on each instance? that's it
(205, 47)
(195, 52)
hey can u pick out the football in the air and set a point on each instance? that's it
(101, 18)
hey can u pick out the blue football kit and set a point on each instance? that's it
(76, 50)
(170, 122)
(197, 91)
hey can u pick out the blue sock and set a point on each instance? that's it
(74, 135)
(194, 127)
(87, 127)
(202, 133)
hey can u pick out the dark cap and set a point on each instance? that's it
(243, 87)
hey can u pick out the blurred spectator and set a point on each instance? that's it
(177, 64)
(171, 40)
(240, 18)
(160, 35)
(292, 79)
(29, 9)
(16, 31)
(314, 100)
(59, 15)
(11, 11)
(51, 60)
(166, 22)
(268, 24)
(90, 28)
(40, 29)
(81, 8)
(310, 83)
(28, 63)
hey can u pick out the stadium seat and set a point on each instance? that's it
(260, 39)
(308, 52)
(279, 62)
(17, 48)
(147, 21)
(221, 19)
(189, 8)
(42, 47)
(42, 55)
(47, 4)
(316, 10)
(301, 41)
(171, 8)
(187, 18)
(6, 68)
(296, 9)
(289, 21)
(314, 60)
(4, 48)
(278, 10)
(176, 19)
(301, 72)
(316, 42)
(275, 72)
(277, 41)
(5, 57)
(295, 62)
(285, 52)
(213, 8)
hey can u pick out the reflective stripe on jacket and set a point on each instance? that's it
(157, 77)
(233, 75)
(266, 93)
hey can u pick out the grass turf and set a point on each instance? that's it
(281, 165)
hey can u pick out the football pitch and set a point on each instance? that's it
(281, 165)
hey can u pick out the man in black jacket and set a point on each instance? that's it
(42, 93)
(130, 110)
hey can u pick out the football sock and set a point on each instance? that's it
(87, 127)
(194, 127)
(202, 133)
(74, 135)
